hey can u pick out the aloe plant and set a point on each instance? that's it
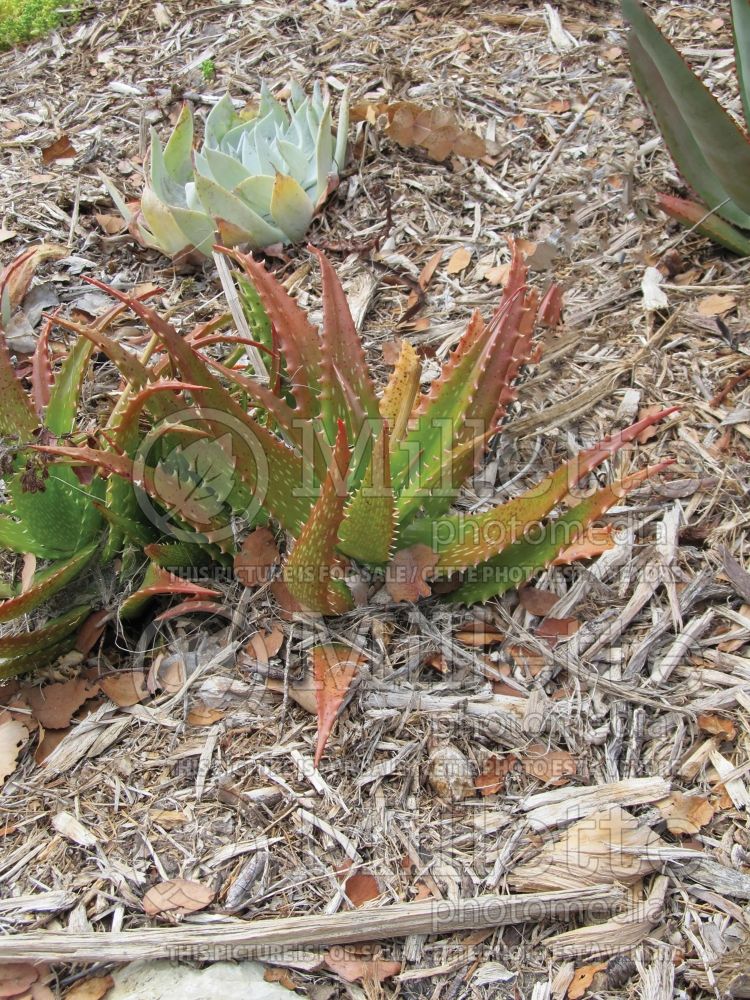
(256, 181)
(709, 148)
(352, 476)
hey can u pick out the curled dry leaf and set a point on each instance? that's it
(262, 646)
(361, 888)
(254, 563)
(125, 688)
(553, 767)
(177, 896)
(554, 629)
(368, 970)
(334, 667)
(61, 149)
(13, 736)
(202, 715)
(714, 724)
(649, 432)
(55, 704)
(685, 814)
(479, 634)
(459, 261)
(407, 573)
(583, 977)
(537, 601)
(436, 129)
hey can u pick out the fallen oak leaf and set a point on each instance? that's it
(459, 261)
(54, 705)
(495, 774)
(203, 715)
(685, 814)
(262, 646)
(177, 896)
(716, 305)
(553, 767)
(435, 129)
(537, 601)
(716, 726)
(334, 667)
(61, 149)
(254, 563)
(125, 688)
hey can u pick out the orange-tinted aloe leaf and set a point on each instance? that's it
(41, 370)
(46, 584)
(192, 607)
(696, 216)
(467, 540)
(53, 632)
(400, 393)
(334, 667)
(160, 582)
(17, 417)
(312, 571)
(521, 560)
(16, 276)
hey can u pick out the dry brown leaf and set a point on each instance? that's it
(262, 646)
(361, 888)
(537, 601)
(55, 704)
(595, 540)
(497, 275)
(557, 106)
(459, 260)
(407, 573)
(583, 977)
(428, 271)
(61, 149)
(436, 129)
(553, 767)
(714, 724)
(110, 224)
(554, 629)
(13, 736)
(91, 989)
(334, 667)
(368, 970)
(613, 53)
(495, 774)
(479, 634)
(282, 976)
(91, 631)
(49, 740)
(125, 688)
(254, 563)
(17, 977)
(167, 674)
(202, 715)
(685, 814)
(716, 305)
(450, 773)
(177, 896)
(649, 432)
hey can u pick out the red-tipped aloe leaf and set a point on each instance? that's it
(53, 632)
(312, 571)
(528, 556)
(17, 417)
(191, 608)
(334, 667)
(710, 150)
(467, 540)
(159, 582)
(41, 370)
(696, 216)
(46, 584)
(367, 530)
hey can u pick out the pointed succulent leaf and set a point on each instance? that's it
(46, 584)
(35, 642)
(342, 133)
(368, 528)
(64, 401)
(256, 192)
(17, 416)
(228, 210)
(226, 170)
(528, 556)
(696, 216)
(220, 120)
(178, 153)
(162, 224)
(708, 147)
(159, 582)
(41, 370)
(312, 571)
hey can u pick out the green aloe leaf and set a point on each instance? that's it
(64, 399)
(710, 150)
(178, 153)
(17, 416)
(46, 584)
(312, 571)
(54, 631)
(368, 528)
(291, 209)
(526, 557)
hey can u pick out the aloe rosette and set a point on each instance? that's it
(709, 147)
(256, 181)
(351, 476)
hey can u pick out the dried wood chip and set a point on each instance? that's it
(451, 773)
(72, 829)
(736, 574)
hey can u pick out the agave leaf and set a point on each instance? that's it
(117, 197)
(323, 151)
(291, 209)
(525, 557)
(182, 555)
(220, 120)
(159, 582)
(17, 417)
(312, 571)
(64, 398)
(368, 528)
(468, 540)
(167, 189)
(178, 159)
(46, 584)
(161, 221)
(35, 642)
(342, 133)
(229, 210)
(398, 398)
(741, 29)
(708, 147)
(296, 160)
(696, 216)
(198, 228)
(226, 170)
(256, 191)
